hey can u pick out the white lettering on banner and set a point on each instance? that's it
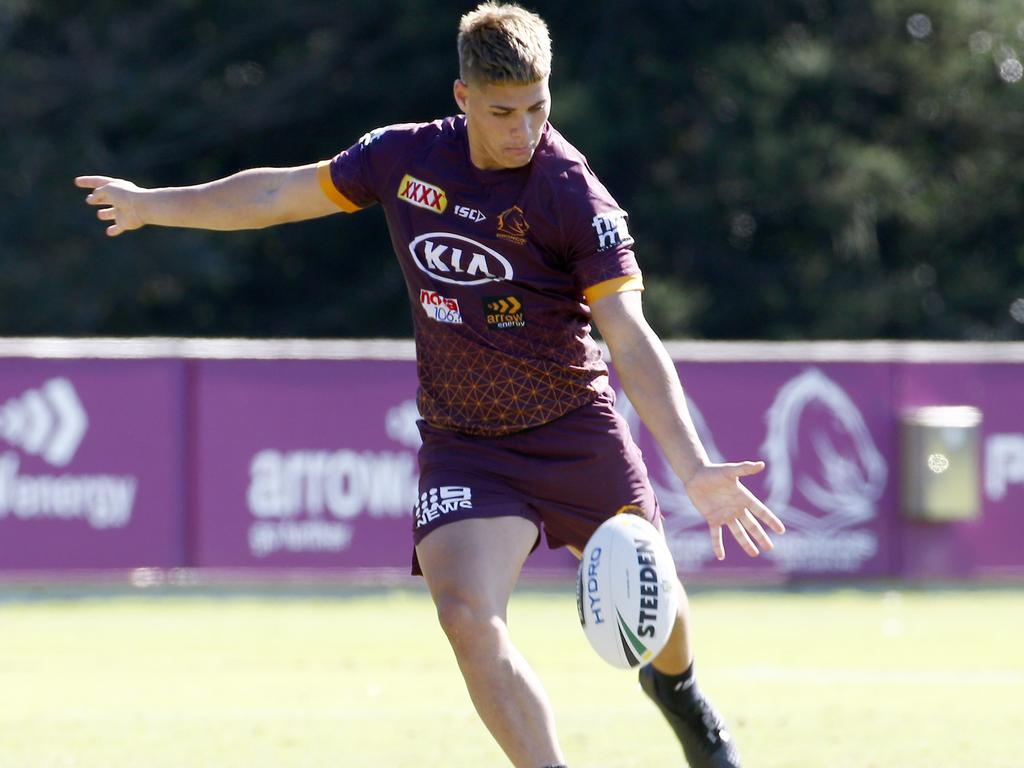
(344, 483)
(104, 501)
(1004, 464)
(293, 536)
(290, 492)
(400, 424)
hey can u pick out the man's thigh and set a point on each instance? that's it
(476, 560)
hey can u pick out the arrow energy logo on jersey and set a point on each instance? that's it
(422, 195)
(504, 312)
(49, 422)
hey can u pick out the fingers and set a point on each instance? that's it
(761, 511)
(97, 185)
(756, 532)
(754, 504)
(92, 182)
(717, 546)
(110, 214)
(745, 468)
(749, 534)
(742, 537)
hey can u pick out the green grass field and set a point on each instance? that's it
(820, 678)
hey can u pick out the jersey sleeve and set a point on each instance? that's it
(352, 178)
(598, 243)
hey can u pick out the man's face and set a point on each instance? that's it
(504, 121)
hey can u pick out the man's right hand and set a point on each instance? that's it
(119, 197)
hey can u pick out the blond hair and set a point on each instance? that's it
(503, 44)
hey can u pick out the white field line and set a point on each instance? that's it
(876, 676)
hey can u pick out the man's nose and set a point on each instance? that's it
(521, 127)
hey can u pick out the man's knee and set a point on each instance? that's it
(468, 624)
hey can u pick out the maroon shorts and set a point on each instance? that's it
(567, 476)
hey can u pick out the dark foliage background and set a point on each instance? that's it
(793, 169)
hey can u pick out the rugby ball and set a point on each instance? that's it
(626, 591)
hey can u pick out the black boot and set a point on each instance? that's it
(701, 731)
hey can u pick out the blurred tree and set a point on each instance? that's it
(793, 169)
(824, 170)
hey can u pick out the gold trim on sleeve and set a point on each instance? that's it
(323, 173)
(615, 285)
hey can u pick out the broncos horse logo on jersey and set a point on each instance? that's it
(512, 225)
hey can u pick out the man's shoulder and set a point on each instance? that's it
(409, 134)
(561, 162)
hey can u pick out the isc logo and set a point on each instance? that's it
(422, 195)
(458, 260)
(469, 213)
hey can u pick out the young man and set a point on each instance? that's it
(510, 247)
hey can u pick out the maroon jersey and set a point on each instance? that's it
(500, 267)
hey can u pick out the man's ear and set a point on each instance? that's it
(459, 90)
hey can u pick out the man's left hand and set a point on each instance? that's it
(718, 494)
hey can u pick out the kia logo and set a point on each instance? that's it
(458, 260)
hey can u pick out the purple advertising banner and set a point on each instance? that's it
(827, 434)
(91, 463)
(309, 464)
(278, 455)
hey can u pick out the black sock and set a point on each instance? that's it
(680, 690)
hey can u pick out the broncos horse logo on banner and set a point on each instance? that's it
(825, 472)
(825, 477)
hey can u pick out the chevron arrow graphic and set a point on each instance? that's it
(12, 421)
(48, 422)
(72, 421)
(508, 305)
(38, 424)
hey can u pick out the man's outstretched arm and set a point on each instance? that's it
(251, 199)
(650, 380)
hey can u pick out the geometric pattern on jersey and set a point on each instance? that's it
(487, 392)
(530, 240)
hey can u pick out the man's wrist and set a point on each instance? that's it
(693, 469)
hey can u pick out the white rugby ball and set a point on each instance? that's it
(625, 591)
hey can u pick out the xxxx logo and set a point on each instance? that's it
(422, 195)
(504, 312)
